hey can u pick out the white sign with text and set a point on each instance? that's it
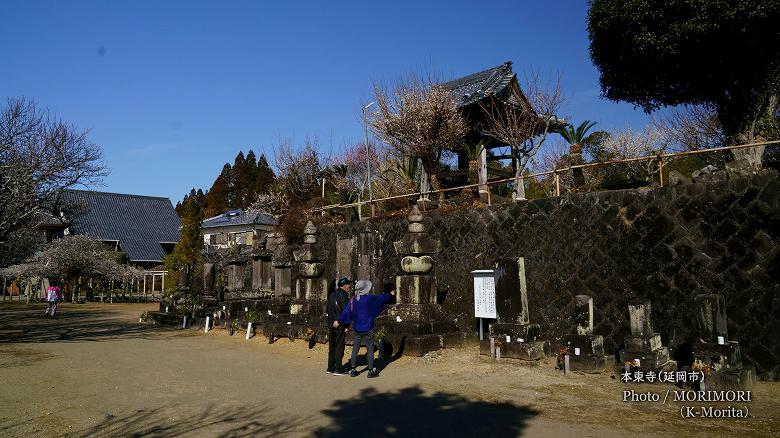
(484, 293)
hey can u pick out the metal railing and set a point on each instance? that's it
(556, 175)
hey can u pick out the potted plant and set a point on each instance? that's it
(311, 337)
(380, 336)
(252, 318)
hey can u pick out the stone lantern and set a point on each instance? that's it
(416, 285)
(416, 320)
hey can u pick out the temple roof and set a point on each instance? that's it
(474, 87)
(140, 223)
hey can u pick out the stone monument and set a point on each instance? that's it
(586, 350)
(512, 330)
(280, 264)
(311, 285)
(643, 347)
(416, 321)
(416, 285)
(208, 277)
(261, 266)
(714, 353)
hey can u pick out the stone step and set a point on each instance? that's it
(534, 350)
(591, 364)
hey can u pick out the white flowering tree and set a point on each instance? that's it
(418, 119)
(75, 259)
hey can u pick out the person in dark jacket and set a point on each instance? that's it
(337, 302)
(360, 313)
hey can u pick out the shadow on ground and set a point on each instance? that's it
(258, 419)
(411, 412)
(25, 324)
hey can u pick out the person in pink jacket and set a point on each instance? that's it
(53, 295)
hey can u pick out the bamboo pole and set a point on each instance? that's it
(557, 183)
(550, 172)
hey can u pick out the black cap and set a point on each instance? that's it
(344, 281)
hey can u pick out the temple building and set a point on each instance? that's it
(144, 228)
(474, 95)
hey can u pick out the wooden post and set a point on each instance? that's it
(661, 170)
(490, 197)
(557, 183)
(483, 173)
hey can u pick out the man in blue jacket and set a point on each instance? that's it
(360, 313)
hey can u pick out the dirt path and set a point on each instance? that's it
(96, 371)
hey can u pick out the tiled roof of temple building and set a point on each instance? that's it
(139, 223)
(491, 82)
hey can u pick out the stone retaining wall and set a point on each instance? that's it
(666, 245)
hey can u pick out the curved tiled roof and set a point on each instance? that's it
(491, 82)
(139, 223)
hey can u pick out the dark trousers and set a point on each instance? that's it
(368, 337)
(335, 348)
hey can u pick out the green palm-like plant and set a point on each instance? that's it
(341, 170)
(405, 169)
(578, 138)
(473, 150)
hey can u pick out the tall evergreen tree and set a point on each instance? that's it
(216, 201)
(236, 194)
(264, 176)
(187, 252)
(237, 186)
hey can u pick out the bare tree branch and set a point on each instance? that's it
(692, 127)
(40, 157)
(418, 118)
(524, 124)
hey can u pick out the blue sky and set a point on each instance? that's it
(173, 90)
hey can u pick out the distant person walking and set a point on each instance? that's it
(53, 295)
(337, 302)
(360, 314)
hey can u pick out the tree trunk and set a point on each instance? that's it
(473, 172)
(430, 169)
(519, 190)
(435, 185)
(738, 117)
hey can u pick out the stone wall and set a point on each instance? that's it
(666, 245)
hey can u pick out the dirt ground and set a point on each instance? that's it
(97, 371)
